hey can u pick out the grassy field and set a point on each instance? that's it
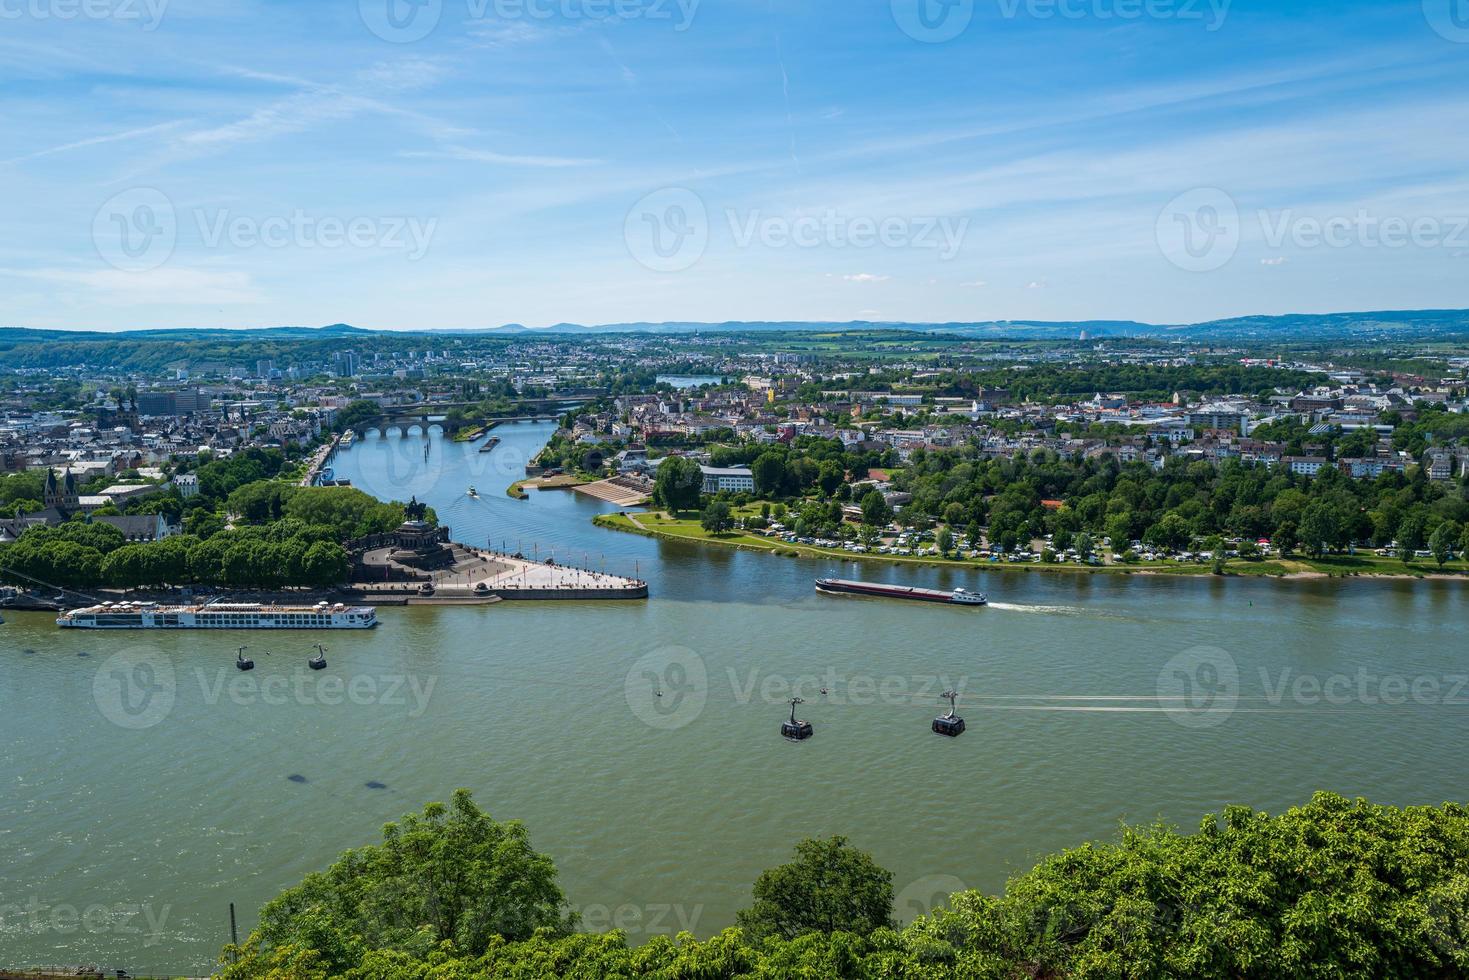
(686, 528)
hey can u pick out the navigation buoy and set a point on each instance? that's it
(318, 662)
(241, 662)
(796, 730)
(950, 724)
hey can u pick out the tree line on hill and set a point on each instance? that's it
(1334, 888)
(1012, 501)
(283, 535)
(1030, 496)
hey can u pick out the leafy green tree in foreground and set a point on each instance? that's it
(830, 887)
(1334, 889)
(451, 874)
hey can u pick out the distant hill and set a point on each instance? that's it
(1379, 325)
(1409, 324)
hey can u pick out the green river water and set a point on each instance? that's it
(146, 784)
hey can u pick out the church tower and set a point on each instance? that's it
(61, 494)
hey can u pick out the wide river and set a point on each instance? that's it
(147, 784)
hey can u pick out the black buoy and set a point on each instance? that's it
(950, 724)
(318, 662)
(241, 662)
(796, 730)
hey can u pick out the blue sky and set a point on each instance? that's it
(468, 163)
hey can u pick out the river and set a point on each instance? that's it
(136, 806)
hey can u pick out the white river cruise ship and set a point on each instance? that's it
(219, 616)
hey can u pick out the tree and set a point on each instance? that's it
(1441, 542)
(717, 518)
(325, 563)
(875, 510)
(452, 874)
(1285, 538)
(769, 471)
(679, 485)
(944, 540)
(830, 476)
(1385, 887)
(1084, 546)
(1318, 528)
(1171, 533)
(830, 887)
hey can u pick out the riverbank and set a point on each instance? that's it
(661, 525)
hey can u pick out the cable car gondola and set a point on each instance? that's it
(318, 662)
(950, 724)
(796, 730)
(242, 662)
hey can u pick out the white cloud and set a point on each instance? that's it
(976, 284)
(172, 286)
(865, 277)
(1277, 260)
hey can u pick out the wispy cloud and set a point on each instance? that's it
(90, 141)
(494, 156)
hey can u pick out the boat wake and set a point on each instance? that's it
(1055, 610)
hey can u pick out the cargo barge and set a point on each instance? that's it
(958, 597)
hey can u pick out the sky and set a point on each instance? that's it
(412, 164)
